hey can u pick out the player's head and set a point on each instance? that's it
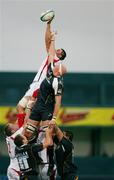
(59, 70)
(68, 134)
(20, 140)
(10, 129)
(61, 54)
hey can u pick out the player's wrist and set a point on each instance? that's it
(49, 23)
(54, 118)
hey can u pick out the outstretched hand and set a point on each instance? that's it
(52, 124)
(49, 22)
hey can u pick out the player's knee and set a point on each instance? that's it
(33, 122)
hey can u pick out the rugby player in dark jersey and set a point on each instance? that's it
(63, 153)
(27, 155)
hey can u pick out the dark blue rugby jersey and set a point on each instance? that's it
(50, 87)
(27, 156)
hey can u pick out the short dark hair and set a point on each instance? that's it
(63, 54)
(7, 130)
(18, 140)
(69, 134)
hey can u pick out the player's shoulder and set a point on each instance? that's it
(23, 148)
(51, 65)
(9, 139)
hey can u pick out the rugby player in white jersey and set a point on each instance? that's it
(27, 99)
(11, 131)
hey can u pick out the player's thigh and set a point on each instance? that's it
(47, 115)
(34, 118)
(12, 175)
(36, 114)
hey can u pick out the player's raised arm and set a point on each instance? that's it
(57, 105)
(58, 133)
(48, 141)
(51, 51)
(48, 36)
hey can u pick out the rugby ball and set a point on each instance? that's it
(47, 16)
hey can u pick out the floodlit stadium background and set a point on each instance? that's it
(86, 31)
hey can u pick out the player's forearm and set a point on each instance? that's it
(56, 109)
(59, 133)
(51, 51)
(48, 139)
(48, 36)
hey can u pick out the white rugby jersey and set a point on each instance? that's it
(40, 76)
(11, 149)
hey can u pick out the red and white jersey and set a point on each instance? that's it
(11, 149)
(40, 76)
